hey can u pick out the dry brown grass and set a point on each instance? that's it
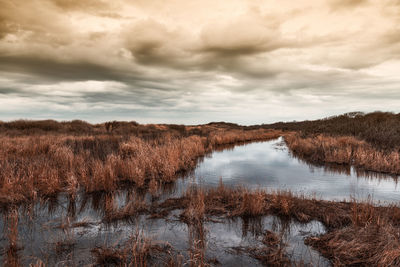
(41, 165)
(195, 210)
(241, 202)
(11, 219)
(197, 245)
(252, 203)
(371, 245)
(344, 150)
(136, 252)
(129, 211)
(359, 234)
(193, 215)
(273, 253)
(33, 166)
(38, 263)
(380, 129)
(372, 238)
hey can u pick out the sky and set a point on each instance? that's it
(196, 61)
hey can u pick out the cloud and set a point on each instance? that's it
(343, 4)
(101, 8)
(152, 43)
(205, 59)
(81, 4)
(245, 35)
(51, 70)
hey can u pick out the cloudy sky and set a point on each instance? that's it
(195, 61)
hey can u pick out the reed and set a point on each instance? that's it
(372, 245)
(34, 166)
(273, 252)
(194, 216)
(358, 233)
(344, 150)
(38, 263)
(136, 252)
(195, 210)
(129, 211)
(11, 258)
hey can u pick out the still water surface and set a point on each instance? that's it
(271, 166)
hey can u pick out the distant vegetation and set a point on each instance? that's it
(78, 127)
(381, 129)
(369, 142)
(344, 150)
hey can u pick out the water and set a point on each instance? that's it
(269, 165)
(41, 233)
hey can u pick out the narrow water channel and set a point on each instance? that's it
(271, 166)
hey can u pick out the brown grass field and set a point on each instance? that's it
(40, 159)
(43, 164)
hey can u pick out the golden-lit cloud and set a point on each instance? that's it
(168, 57)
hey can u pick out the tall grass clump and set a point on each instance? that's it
(344, 150)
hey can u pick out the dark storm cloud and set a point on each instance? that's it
(60, 71)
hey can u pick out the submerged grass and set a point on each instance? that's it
(359, 233)
(11, 258)
(138, 251)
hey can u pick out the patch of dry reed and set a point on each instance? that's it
(359, 234)
(33, 166)
(136, 252)
(273, 253)
(344, 150)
